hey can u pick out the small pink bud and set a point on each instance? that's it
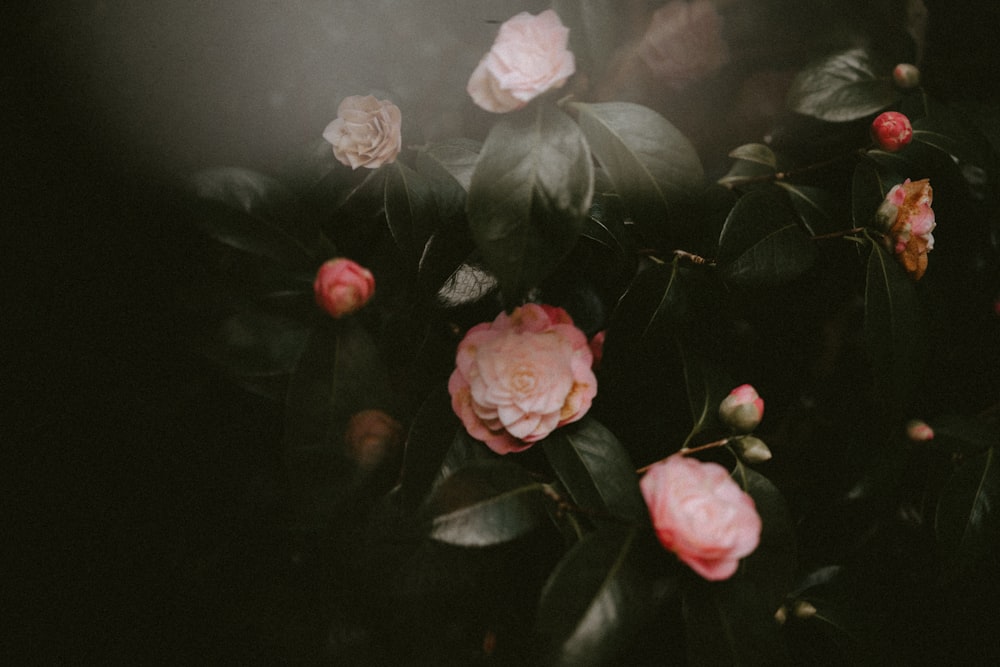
(919, 431)
(742, 409)
(891, 131)
(906, 75)
(343, 286)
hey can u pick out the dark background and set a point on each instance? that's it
(147, 492)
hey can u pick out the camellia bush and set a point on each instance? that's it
(524, 373)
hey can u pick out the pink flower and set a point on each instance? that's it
(891, 131)
(907, 216)
(919, 431)
(683, 42)
(366, 132)
(701, 514)
(742, 409)
(521, 376)
(343, 286)
(528, 58)
(597, 347)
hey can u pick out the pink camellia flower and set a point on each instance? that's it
(683, 42)
(343, 286)
(528, 58)
(907, 216)
(742, 409)
(891, 131)
(701, 514)
(366, 132)
(521, 376)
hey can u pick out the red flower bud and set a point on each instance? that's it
(742, 409)
(343, 286)
(891, 131)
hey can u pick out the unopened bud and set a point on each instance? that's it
(919, 431)
(371, 436)
(752, 450)
(906, 75)
(781, 615)
(891, 131)
(803, 610)
(742, 409)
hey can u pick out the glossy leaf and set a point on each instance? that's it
(595, 469)
(486, 503)
(596, 601)
(841, 87)
(410, 209)
(256, 343)
(892, 326)
(250, 212)
(868, 189)
(431, 434)
(731, 623)
(649, 162)
(454, 157)
(529, 193)
(967, 521)
(758, 153)
(706, 386)
(762, 242)
(772, 565)
(746, 174)
(813, 206)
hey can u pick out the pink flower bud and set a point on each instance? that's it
(906, 75)
(891, 131)
(919, 431)
(343, 286)
(742, 410)
(371, 436)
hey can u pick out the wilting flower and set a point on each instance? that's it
(907, 216)
(342, 286)
(742, 409)
(528, 58)
(366, 132)
(891, 131)
(521, 376)
(701, 514)
(683, 42)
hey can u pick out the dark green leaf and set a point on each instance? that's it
(747, 173)
(967, 521)
(762, 242)
(257, 343)
(454, 157)
(486, 503)
(530, 191)
(595, 469)
(813, 205)
(250, 212)
(772, 565)
(410, 209)
(650, 163)
(758, 153)
(893, 328)
(730, 623)
(431, 434)
(842, 87)
(868, 189)
(967, 435)
(706, 386)
(597, 600)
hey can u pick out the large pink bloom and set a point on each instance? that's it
(528, 58)
(521, 376)
(701, 515)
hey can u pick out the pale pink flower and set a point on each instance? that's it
(742, 409)
(683, 42)
(366, 132)
(342, 286)
(907, 216)
(521, 376)
(701, 515)
(528, 58)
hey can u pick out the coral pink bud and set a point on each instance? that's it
(919, 431)
(742, 410)
(906, 75)
(343, 286)
(891, 131)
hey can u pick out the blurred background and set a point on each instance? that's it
(150, 489)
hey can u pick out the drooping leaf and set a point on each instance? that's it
(486, 503)
(595, 469)
(410, 209)
(649, 162)
(762, 242)
(841, 87)
(772, 565)
(529, 193)
(893, 328)
(250, 212)
(731, 623)
(597, 600)
(967, 520)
